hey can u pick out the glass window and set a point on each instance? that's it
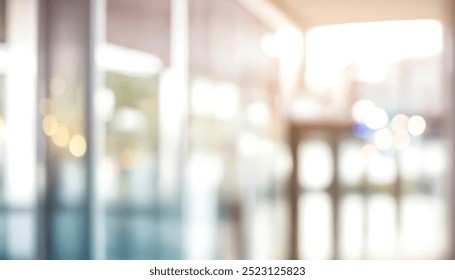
(382, 226)
(130, 159)
(135, 221)
(233, 126)
(315, 230)
(395, 160)
(352, 226)
(315, 163)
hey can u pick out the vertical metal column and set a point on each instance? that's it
(44, 210)
(335, 193)
(449, 88)
(93, 29)
(2, 20)
(293, 193)
(398, 196)
(96, 130)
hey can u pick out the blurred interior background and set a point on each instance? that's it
(226, 129)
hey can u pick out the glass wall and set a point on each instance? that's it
(132, 53)
(233, 125)
(130, 159)
(392, 165)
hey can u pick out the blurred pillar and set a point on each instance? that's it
(173, 104)
(2, 20)
(293, 194)
(335, 193)
(20, 169)
(173, 118)
(97, 131)
(66, 56)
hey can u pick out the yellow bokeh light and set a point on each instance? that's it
(61, 137)
(78, 145)
(50, 125)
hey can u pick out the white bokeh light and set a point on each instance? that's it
(377, 118)
(399, 122)
(361, 109)
(416, 125)
(383, 139)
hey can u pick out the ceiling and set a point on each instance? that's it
(311, 13)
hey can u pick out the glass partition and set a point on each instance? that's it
(130, 158)
(134, 220)
(392, 164)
